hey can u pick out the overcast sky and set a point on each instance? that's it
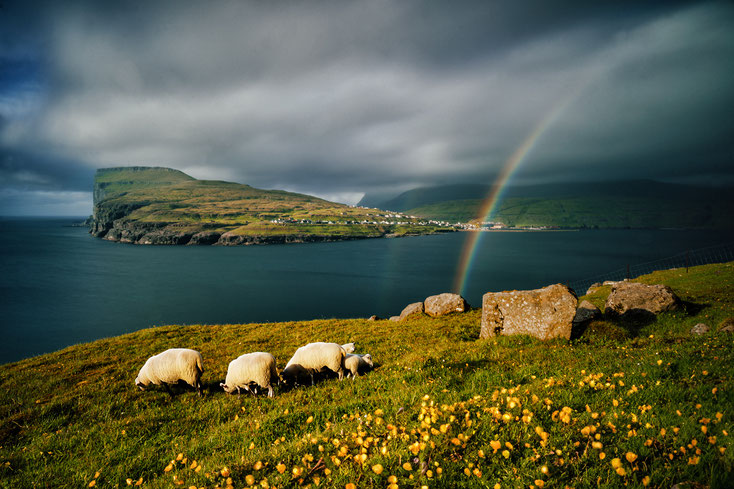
(339, 98)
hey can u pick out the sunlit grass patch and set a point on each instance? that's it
(441, 409)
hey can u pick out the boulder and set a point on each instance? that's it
(412, 311)
(586, 312)
(543, 313)
(632, 299)
(442, 304)
(373, 318)
(727, 325)
(395, 318)
(700, 329)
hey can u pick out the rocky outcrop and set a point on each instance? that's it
(543, 313)
(412, 311)
(586, 312)
(442, 304)
(106, 216)
(632, 299)
(233, 239)
(205, 238)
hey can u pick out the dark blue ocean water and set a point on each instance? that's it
(59, 286)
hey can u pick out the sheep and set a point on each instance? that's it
(257, 368)
(356, 363)
(312, 358)
(171, 366)
(348, 347)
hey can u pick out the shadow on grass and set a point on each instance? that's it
(626, 326)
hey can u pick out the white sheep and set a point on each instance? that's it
(355, 363)
(171, 366)
(256, 368)
(314, 357)
(348, 347)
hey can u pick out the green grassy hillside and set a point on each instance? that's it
(624, 405)
(159, 205)
(589, 212)
(621, 204)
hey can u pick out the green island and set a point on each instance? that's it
(623, 404)
(152, 205)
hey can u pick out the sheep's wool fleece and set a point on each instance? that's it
(315, 356)
(171, 366)
(354, 363)
(258, 367)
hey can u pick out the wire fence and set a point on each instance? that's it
(702, 256)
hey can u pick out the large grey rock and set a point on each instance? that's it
(442, 304)
(631, 298)
(586, 312)
(700, 329)
(412, 311)
(543, 313)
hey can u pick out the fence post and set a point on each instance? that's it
(687, 253)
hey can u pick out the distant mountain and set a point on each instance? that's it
(153, 205)
(616, 204)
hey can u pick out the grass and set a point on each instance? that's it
(590, 212)
(623, 405)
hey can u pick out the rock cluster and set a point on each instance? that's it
(434, 306)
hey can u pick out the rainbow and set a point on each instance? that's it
(496, 190)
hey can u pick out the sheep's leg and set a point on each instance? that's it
(271, 393)
(198, 388)
(168, 389)
(312, 381)
(341, 374)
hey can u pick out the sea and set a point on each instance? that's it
(59, 286)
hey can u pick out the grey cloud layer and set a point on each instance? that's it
(339, 98)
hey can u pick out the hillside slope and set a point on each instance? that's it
(623, 204)
(625, 405)
(148, 205)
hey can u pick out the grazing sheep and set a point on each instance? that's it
(171, 366)
(348, 347)
(354, 364)
(256, 368)
(312, 358)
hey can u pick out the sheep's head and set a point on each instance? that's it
(226, 388)
(139, 384)
(290, 375)
(368, 359)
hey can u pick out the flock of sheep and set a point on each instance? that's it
(253, 370)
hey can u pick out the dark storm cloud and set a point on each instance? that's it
(340, 98)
